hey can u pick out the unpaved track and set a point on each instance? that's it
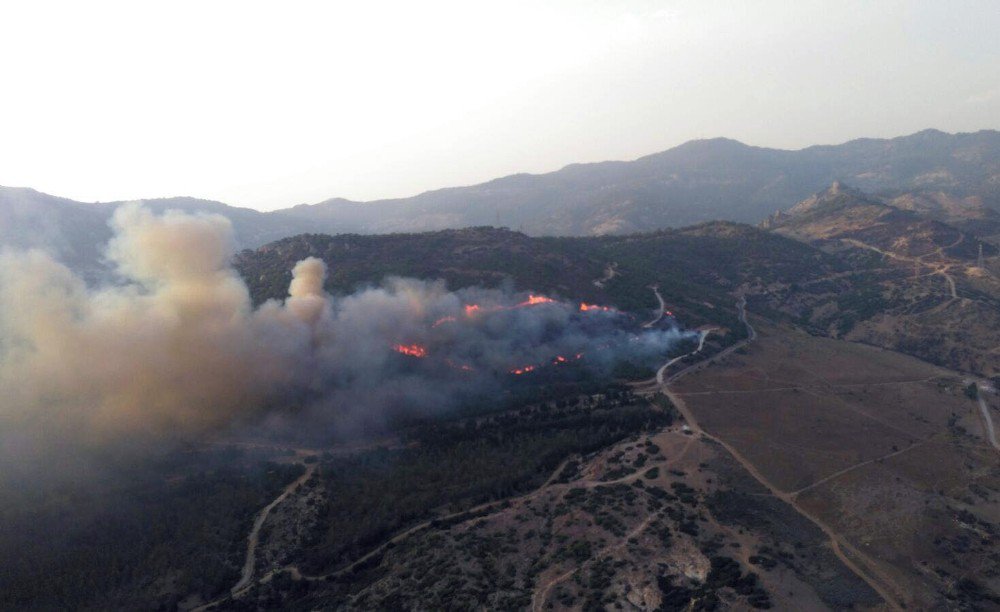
(254, 538)
(882, 584)
(610, 271)
(909, 381)
(542, 594)
(849, 469)
(951, 283)
(403, 535)
(663, 306)
(987, 419)
(937, 268)
(701, 344)
(538, 599)
(661, 382)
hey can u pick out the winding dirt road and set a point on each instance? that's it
(542, 594)
(663, 307)
(876, 579)
(254, 538)
(751, 336)
(987, 419)
(479, 511)
(936, 268)
(610, 271)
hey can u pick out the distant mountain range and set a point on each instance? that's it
(950, 175)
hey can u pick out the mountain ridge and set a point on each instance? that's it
(698, 181)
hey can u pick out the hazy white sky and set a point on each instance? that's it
(271, 104)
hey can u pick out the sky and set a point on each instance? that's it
(272, 104)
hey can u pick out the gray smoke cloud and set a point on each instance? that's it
(176, 348)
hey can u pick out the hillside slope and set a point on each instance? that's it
(948, 177)
(695, 268)
(694, 182)
(916, 285)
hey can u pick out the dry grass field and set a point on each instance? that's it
(885, 450)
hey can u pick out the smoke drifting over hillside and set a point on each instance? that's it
(177, 347)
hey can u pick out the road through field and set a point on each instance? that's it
(876, 579)
(751, 336)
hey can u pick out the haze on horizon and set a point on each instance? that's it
(267, 105)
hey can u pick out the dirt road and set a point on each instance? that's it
(987, 419)
(937, 268)
(659, 314)
(663, 368)
(751, 336)
(542, 594)
(477, 511)
(254, 538)
(876, 579)
(610, 271)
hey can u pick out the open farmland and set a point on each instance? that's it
(886, 451)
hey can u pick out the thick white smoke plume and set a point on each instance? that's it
(177, 347)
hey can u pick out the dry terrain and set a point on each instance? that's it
(668, 519)
(886, 451)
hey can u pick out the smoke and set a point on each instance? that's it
(176, 348)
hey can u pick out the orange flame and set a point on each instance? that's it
(585, 307)
(534, 300)
(443, 320)
(413, 350)
(557, 360)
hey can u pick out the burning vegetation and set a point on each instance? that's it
(106, 361)
(412, 350)
(585, 307)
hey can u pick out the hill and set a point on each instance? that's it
(769, 468)
(76, 232)
(916, 285)
(953, 178)
(840, 215)
(694, 182)
(841, 263)
(695, 268)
